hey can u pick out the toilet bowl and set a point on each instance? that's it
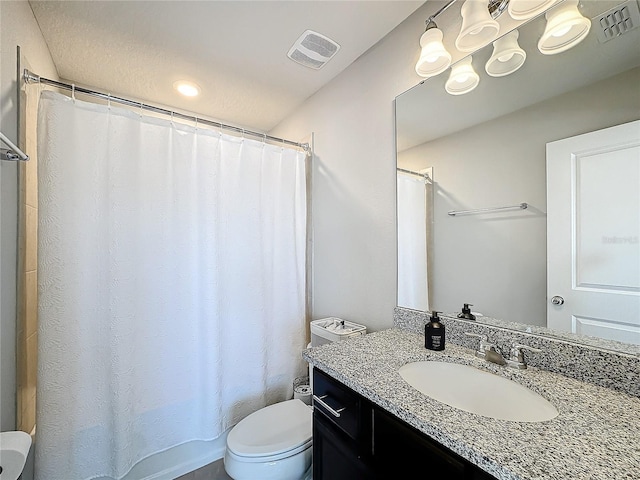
(273, 443)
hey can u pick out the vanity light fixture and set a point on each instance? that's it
(507, 56)
(434, 58)
(478, 28)
(463, 78)
(566, 27)
(188, 89)
(526, 9)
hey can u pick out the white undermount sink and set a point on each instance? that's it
(14, 448)
(477, 391)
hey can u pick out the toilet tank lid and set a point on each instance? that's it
(272, 430)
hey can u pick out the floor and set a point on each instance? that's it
(213, 471)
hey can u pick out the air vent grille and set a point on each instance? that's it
(320, 45)
(617, 21)
(313, 50)
(297, 56)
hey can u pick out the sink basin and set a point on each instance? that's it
(477, 391)
(14, 448)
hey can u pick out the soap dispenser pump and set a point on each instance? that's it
(466, 312)
(434, 333)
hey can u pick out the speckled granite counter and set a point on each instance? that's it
(595, 435)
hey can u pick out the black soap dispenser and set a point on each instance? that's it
(466, 312)
(434, 333)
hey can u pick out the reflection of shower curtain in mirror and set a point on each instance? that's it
(413, 289)
(171, 282)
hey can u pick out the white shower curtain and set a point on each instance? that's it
(413, 281)
(171, 284)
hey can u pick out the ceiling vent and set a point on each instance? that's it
(617, 21)
(313, 50)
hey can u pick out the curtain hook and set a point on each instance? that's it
(109, 101)
(73, 91)
(196, 124)
(141, 110)
(172, 119)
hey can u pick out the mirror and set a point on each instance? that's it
(487, 149)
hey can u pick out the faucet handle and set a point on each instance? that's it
(517, 356)
(483, 343)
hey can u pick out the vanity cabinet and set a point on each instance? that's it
(365, 442)
(341, 431)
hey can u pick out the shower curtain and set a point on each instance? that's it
(413, 282)
(171, 284)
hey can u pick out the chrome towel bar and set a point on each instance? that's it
(521, 206)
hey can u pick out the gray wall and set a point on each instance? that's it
(498, 263)
(17, 27)
(353, 191)
(354, 178)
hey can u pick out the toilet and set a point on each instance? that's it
(273, 443)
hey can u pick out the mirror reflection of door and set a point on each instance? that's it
(593, 244)
(415, 204)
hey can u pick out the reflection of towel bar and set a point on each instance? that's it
(453, 213)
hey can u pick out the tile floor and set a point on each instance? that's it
(213, 471)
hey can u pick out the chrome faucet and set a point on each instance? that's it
(489, 351)
(517, 357)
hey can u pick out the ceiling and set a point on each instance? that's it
(236, 51)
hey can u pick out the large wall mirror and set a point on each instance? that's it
(477, 158)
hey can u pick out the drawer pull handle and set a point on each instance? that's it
(335, 413)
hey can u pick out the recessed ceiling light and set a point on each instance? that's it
(188, 89)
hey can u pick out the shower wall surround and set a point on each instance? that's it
(592, 363)
(27, 324)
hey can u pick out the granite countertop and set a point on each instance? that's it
(595, 435)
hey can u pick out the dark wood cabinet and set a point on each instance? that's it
(353, 439)
(341, 431)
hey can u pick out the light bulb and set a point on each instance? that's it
(478, 28)
(434, 58)
(526, 9)
(566, 27)
(561, 32)
(507, 56)
(462, 78)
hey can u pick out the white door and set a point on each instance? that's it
(593, 230)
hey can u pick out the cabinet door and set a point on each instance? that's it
(400, 451)
(335, 455)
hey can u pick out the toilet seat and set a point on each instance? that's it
(272, 433)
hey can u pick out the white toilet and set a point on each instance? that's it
(273, 443)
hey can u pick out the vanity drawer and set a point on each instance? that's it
(340, 405)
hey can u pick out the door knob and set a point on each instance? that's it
(557, 300)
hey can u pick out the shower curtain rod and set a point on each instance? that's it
(30, 77)
(417, 174)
